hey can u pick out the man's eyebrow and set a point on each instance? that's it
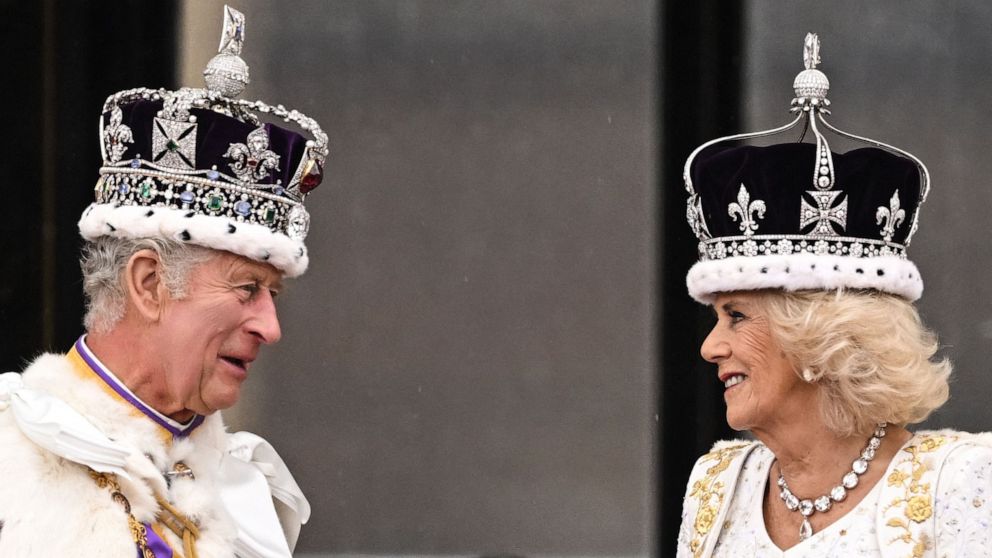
(259, 279)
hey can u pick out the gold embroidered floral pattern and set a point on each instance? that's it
(918, 508)
(708, 492)
(916, 505)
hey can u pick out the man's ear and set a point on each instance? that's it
(143, 282)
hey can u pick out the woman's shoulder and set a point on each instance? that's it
(710, 487)
(944, 454)
(954, 486)
(949, 443)
(724, 462)
(725, 448)
(724, 455)
(932, 495)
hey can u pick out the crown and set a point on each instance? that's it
(800, 216)
(201, 166)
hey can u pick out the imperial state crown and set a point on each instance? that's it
(201, 166)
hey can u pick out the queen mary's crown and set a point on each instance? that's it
(201, 166)
(798, 215)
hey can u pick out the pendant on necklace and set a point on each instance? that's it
(805, 530)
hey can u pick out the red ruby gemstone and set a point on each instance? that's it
(312, 179)
(252, 163)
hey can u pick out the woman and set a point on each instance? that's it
(824, 359)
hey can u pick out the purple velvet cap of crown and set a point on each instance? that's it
(215, 133)
(780, 175)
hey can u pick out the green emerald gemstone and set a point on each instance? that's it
(172, 145)
(146, 190)
(215, 203)
(270, 215)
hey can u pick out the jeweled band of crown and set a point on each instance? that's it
(203, 153)
(759, 224)
(177, 106)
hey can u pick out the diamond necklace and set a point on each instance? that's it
(808, 507)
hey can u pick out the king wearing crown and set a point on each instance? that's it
(118, 446)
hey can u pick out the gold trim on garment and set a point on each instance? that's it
(709, 494)
(912, 473)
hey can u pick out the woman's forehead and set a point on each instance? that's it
(735, 298)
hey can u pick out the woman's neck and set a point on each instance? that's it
(813, 459)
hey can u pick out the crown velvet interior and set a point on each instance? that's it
(781, 175)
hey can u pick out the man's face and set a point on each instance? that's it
(210, 337)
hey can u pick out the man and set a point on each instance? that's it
(118, 446)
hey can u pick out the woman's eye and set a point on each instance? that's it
(736, 317)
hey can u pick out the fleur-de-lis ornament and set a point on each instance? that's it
(116, 136)
(744, 208)
(252, 161)
(892, 216)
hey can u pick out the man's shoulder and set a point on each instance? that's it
(46, 370)
(21, 456)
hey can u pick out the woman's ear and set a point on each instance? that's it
(143, 283)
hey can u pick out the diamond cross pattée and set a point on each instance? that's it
(174, 143)
(823, 213)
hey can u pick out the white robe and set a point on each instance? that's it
(51, 506)
(934, 500)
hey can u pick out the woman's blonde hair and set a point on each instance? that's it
(869, 351)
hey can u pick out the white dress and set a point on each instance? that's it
(945, 510)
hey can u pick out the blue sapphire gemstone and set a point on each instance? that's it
(212, 174)
(242, 208)
(123, 188)
(278, 191)
(135, 163)
(187, 197)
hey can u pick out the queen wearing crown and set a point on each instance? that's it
(823, 356)
(117, 448)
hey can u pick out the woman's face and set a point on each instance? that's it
(761, 387)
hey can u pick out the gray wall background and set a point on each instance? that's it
(915, 74)
(468, 366)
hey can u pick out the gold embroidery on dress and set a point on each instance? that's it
(916, 503)
(708, 492)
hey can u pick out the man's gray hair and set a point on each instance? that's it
(104, 262)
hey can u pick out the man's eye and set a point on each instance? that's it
(250, 288)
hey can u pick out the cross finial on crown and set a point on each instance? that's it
(811, 51)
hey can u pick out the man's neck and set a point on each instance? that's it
(128, 356)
